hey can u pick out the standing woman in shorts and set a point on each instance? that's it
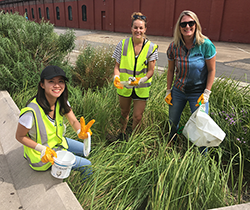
(135, 57)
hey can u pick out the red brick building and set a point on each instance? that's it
(221, 20)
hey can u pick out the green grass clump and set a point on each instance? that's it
(146, 172)
(94, 67)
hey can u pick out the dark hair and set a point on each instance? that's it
(43, 102)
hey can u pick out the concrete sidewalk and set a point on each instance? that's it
(232, 59)
(20, 186)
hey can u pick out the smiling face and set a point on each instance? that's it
(53, 88)
(187, 32)
(138, 29)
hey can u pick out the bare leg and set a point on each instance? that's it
(125, 109)
(139, 107)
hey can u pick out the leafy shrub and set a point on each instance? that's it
(94, 67)
(26, 47)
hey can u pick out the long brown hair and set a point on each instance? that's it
(198, 34)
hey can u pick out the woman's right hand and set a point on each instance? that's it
(117, 82)
(168, 97)
(47, 154)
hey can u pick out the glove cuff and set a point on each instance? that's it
(40, 148)
(207, 92)
(143, 80)
(168, 92)
(116, 76)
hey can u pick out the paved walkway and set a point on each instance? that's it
(232, 60)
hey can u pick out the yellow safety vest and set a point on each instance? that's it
(131, 67)
(47, 134)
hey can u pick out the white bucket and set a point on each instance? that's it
(63, 164)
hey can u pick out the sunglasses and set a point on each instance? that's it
(190, 23)
(139, 17)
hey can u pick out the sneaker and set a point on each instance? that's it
(122, 137)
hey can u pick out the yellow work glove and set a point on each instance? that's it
(47, 154)
(117, 82)
(204, 97)
(85, 129)
(168, 97)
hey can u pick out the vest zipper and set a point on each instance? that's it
(135, 65)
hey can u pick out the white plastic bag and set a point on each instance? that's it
(201, 129)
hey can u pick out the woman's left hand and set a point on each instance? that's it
(143, 80)
(204, 97)
(85, 129)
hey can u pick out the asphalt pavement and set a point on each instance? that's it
(232, 59)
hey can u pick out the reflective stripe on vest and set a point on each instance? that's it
(125, 49)
(41, 126)
(141, 86)
(37, 165)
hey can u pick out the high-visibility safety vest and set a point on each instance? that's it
(47, 134)
(132, 67)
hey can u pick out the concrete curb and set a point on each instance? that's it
(245, 206)
(20, 186)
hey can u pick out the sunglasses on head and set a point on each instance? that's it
(139, 17)
(190, 23)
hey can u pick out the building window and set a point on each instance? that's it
(40, 13)
(70, 12)
(47, 12)
(32, 13)
(11, 11)
(84, 13)
(57, 13)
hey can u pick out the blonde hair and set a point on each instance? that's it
(139, 18)
(198, 34)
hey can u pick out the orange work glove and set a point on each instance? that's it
(117, 82)
(47, 154)
(204, 97)
(83, 133)
(168, 97)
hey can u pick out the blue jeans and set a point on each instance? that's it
(179, 100)
(82, 164)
